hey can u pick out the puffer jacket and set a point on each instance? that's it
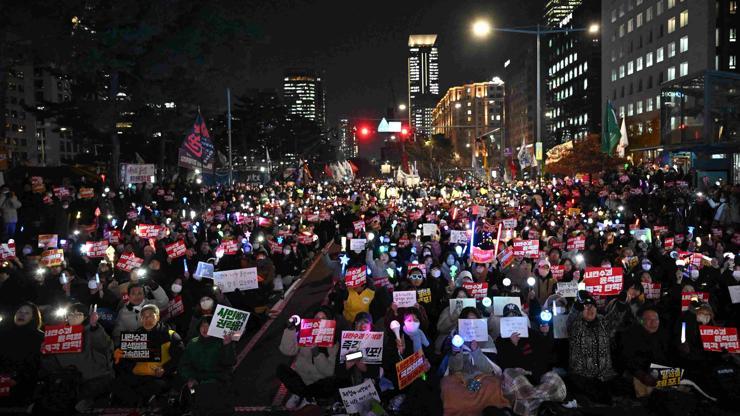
(310, 368)
(128, 316)
(95, 360)
(590, 354)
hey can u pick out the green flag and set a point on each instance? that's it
(610, 136)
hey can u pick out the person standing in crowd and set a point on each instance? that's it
(9, 205)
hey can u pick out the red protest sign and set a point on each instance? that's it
(403, 242)
(229, 247)
(87, 193)
(410, 368)
(47, 241)
(660, 229)
(355, 276)
(62, 339)
(305, 239)
(603, 281)
(312, 217)
(175, 250)
(275, 248)
(113, 236)
(61, 192)
(175, 308)
(652, 290)
(6, 382)
(668, 243)
(51, 258)
(478, 255)
(150, 231)
(527, 248)
(687, 296)
(316, 333)
(576, 243)
(476, 290)
(718, 339)
(506, 257)
(128, 262)
(359, 225)
(95, 249)
(264, 222)
(557, 272)
(7, 250)
(509, 223)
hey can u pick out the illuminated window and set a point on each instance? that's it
(683, 18)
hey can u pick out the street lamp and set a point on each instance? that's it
(481, 29)
(402, 107)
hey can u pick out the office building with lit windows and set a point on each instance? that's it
(557, 10)
(423, 82)
(469, 112)
(347, 139)
(304, 95)
(573, 77)
(653, 51)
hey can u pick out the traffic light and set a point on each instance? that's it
(404, 131)
(364, 131)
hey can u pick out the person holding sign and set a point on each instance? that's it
(534, 352)
(20, 353)
(475, 350)
(645, 343)
(128, 315)
(137, 381)
(590, 335)
(313, 374)
(94, 362)
(206, 367)
(355, 370)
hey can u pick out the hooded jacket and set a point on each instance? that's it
(95, 359)
(310, 368)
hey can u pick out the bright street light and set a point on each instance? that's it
(458, 105)
(594, 28)
(402, 107)
(481, 28)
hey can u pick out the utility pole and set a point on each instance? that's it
(228, 125)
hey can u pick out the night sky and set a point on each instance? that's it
(361, 46)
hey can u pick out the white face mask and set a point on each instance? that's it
(393, 254)
(410, 327)
(206, 304)
(646, 266)
(92, 284)
(694, 274)
(176, 288)
(736, 274)
(702, 318)
(450, 261)
(560, 310)
(286, 252)
(426, 253)
(27, 251)
(436, 273)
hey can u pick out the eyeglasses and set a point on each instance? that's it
(416, 277)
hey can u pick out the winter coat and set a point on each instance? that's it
(207, 360)
(170, 347)
(128, 316)
(590, 352)
(534, 354)
(642, 349)
(95, 360)
(311, 368)
(9, 207)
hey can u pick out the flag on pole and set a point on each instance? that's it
(197, 149)
(524, 156)
(611, 135)
(623, 140)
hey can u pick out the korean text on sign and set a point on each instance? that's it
(603, 281)
(370, 343)
(316, 333)
(61, 339)
(717, 339)
(409, 369)
(228, 320)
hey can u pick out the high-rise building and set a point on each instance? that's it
(304, 95)
(557, 10)
(347, 139)
(469, 112)
(650, 46)
(573, 78)
(30, 139)
(521, 97)
(423, 82)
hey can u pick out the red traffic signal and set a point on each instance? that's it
(404, 131)
(364, 131)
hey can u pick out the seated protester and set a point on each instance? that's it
(591, 370)
(378, 267)
(313, 376)
(354, 372)
(646, 343)
(139, 381)
(534, 353)
(468, 391)
(20, 354)
(412, 321)
(494, 322)
(451, 267)
(206, 365)
(287, 268)
(206, 307)
(128, 315)
(94, 362)
(358, 299)
(476, 352)
(544, 282)
(447, 320)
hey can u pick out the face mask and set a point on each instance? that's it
(27, 251)
(176, 288)
(450, 261)
(702, 318)
(92, 284)
(436, 273)
(426, 253)
(722, 200)
(694, 274)
(560, 310)
(646, 266)
(410, 327)
(736, 274)
(286, 252)
(206, 304)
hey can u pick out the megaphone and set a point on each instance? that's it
(396, 328)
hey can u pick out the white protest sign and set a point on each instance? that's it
(500, 301)
(514, 324)
(429, 228)
(242, 279)
(458, 237)
(357, 244)
(204, 270)
(734, 293)
(567, 289)
(357, 399)
(370, 343)
(456, 305)
(137, 173)
(473, 329)
(404, 298)
(560, 326)
(228, 320)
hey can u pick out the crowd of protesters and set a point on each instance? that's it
(672, 240)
